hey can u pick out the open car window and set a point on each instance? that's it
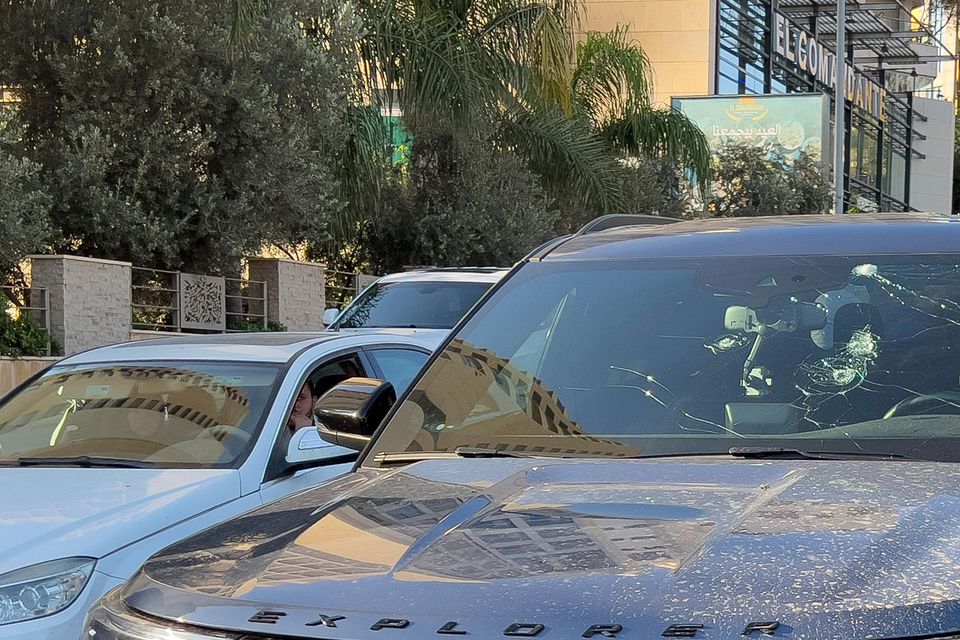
(164, 414)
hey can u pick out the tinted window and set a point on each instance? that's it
(170, 415)
(852, 354)
(399, 366)
(431, 305)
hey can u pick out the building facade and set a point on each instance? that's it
(900, 82)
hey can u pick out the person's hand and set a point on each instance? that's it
(298, 421)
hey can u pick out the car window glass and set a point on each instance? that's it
(176, 415)
(330, 374)
(425, 305)
(323, 378)
(701, 355)
(399, 366)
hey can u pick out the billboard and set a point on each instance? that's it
(786, 124)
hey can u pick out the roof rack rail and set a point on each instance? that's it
(614, 220)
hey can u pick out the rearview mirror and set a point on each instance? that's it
(330, 316)
(350, 413)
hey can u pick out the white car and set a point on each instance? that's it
(116, 453)
(424, 298)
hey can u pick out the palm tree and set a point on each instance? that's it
(611, 85)
(500, 72)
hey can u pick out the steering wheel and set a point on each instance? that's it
(925, 403)
(233, 439)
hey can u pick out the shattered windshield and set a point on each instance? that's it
(655, 357)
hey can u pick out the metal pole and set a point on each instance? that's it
(839, 106)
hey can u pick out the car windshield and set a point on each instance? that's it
(424, 305)
(158, 414)
(674, 357)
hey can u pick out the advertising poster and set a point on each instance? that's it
(781, 124)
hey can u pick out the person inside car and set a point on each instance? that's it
(301, 415)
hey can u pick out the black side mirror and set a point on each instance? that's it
(349, 413)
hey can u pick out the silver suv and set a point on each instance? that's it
(421, 299)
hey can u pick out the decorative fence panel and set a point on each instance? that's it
(203, 302)
(187, 302)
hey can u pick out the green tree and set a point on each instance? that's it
(160, 146)
(459, 207)
(611, 86)
(24, 204)
(746, 181)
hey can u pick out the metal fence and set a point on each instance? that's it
(343, 286)
(246, 305)
(183, 302)
(31, 304)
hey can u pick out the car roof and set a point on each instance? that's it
(849, 234)
(267, 347)
(480, 275)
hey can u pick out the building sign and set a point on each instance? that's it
(811, 57)
(786, 125)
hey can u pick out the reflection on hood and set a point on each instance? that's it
(829, 549)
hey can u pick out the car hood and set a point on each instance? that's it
(51, 513)
(827, 549)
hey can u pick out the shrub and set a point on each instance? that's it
(21, 337)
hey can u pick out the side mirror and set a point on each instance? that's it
(308, 449)
(330, 316)
(349, 413)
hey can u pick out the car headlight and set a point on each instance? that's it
(42, 589)
(110, 619)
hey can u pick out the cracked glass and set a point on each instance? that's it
(842, 354)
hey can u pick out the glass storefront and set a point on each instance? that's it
(877, 157)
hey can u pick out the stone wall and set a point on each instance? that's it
(89, 300)
(295, 292)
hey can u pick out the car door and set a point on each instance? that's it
(324, 373)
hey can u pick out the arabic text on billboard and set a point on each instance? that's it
(787, 125)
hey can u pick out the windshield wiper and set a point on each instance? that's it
(86, 462)
(402, 457)
(782, 452)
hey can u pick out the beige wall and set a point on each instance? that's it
(89, 300)
(674, 33)
(295, 292)
(13, 372)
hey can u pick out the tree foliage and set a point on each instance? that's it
(24, 203)
(162, 147)
(611, 85)
(749, 182)
(459, 207)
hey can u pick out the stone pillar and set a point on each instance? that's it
(89, 300)
(295, 292)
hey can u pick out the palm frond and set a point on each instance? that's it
(550, 60)
(662, 133)
(244, 15)
(361, 164)
(422, 64)
(612, 76)
(568, 155)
